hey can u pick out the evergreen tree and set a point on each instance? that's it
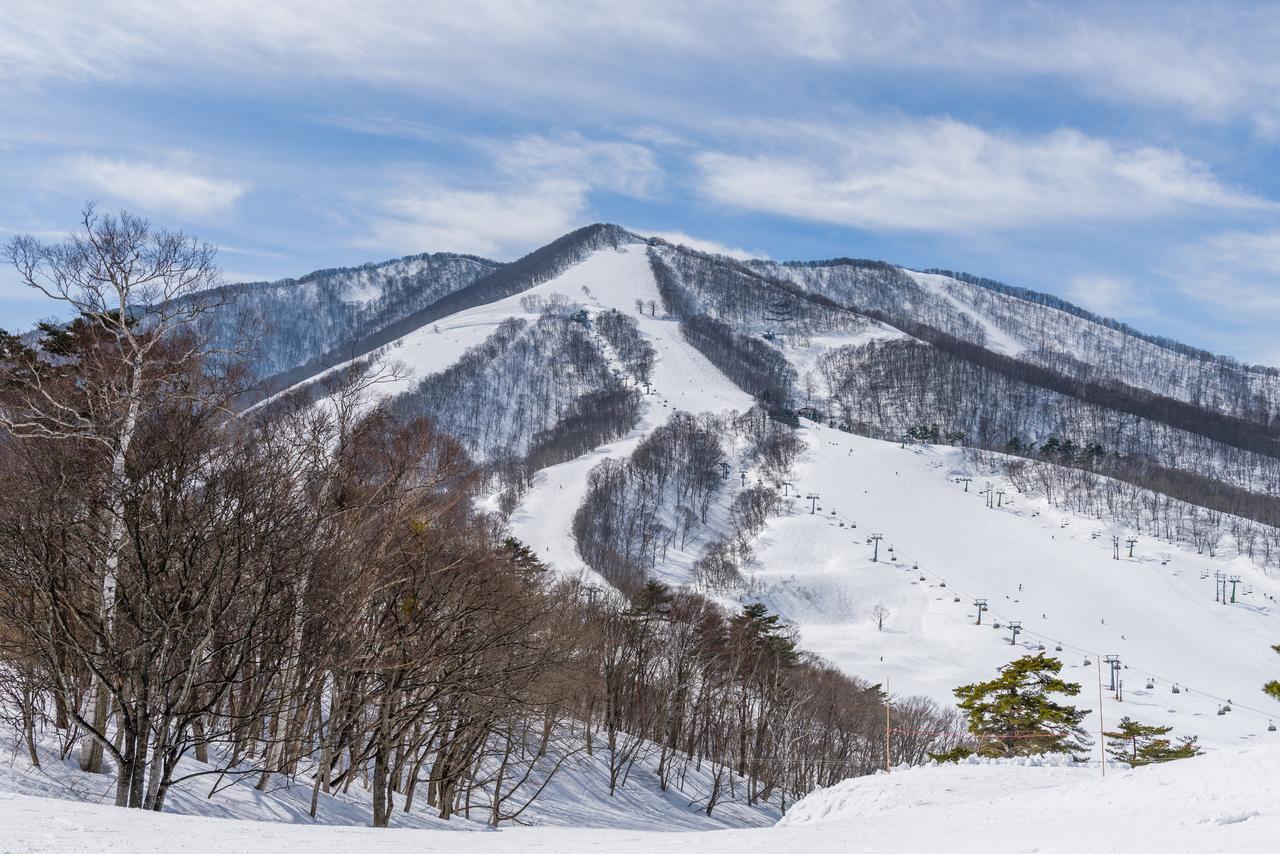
(765, 633)
(1013, 715)
(522, 557)
(1141, 744)
(1272, 688)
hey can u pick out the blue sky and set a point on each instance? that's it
(1124, 156)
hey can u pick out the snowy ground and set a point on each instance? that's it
(577, 796)
(1224, 802)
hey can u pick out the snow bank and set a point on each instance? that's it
(1224, 802)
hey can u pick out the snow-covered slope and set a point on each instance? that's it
(1227, 802)
(1049, 570)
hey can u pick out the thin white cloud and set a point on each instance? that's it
(1235, 273)
(701, 244)
(422, 215)
(384, 125)
(1111, 296)
(536, 189)
(174, 186)
(622, 167)
(939, 175)
(1212, 62)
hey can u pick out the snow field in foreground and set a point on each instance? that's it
(1226, 802)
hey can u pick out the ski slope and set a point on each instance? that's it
(1051, 571)
(1033, 564)
(682, 380)
(1228, 802)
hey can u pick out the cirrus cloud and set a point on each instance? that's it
(174, 187)
(941, 175)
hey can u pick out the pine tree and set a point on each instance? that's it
(1272, 688)
(1141, 744)
(766, 633)
(1012, 715)
(522, 557)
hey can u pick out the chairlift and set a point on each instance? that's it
(915, 566)
(1057, 648)
(957, 599)
(1176, 690)
(1221, 711)
(922, 578)
(1040, 648)
(1271, 727)
(1227, 707)
(1088, 663)
(942, 584)
(1150, 684)
(995, 625)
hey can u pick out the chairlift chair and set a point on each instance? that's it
(1176, 690)
(1057, 648)
(1271, 727)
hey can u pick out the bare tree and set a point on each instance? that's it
(133, 290)
(880, 613)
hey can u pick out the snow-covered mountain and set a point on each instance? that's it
(865, 351)
(868, 451)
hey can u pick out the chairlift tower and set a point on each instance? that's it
(875, 555)
(1132, 541)
(1114, 662)
(813, 502)
(1234, 579)
(981, 605)
(1015, 626)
